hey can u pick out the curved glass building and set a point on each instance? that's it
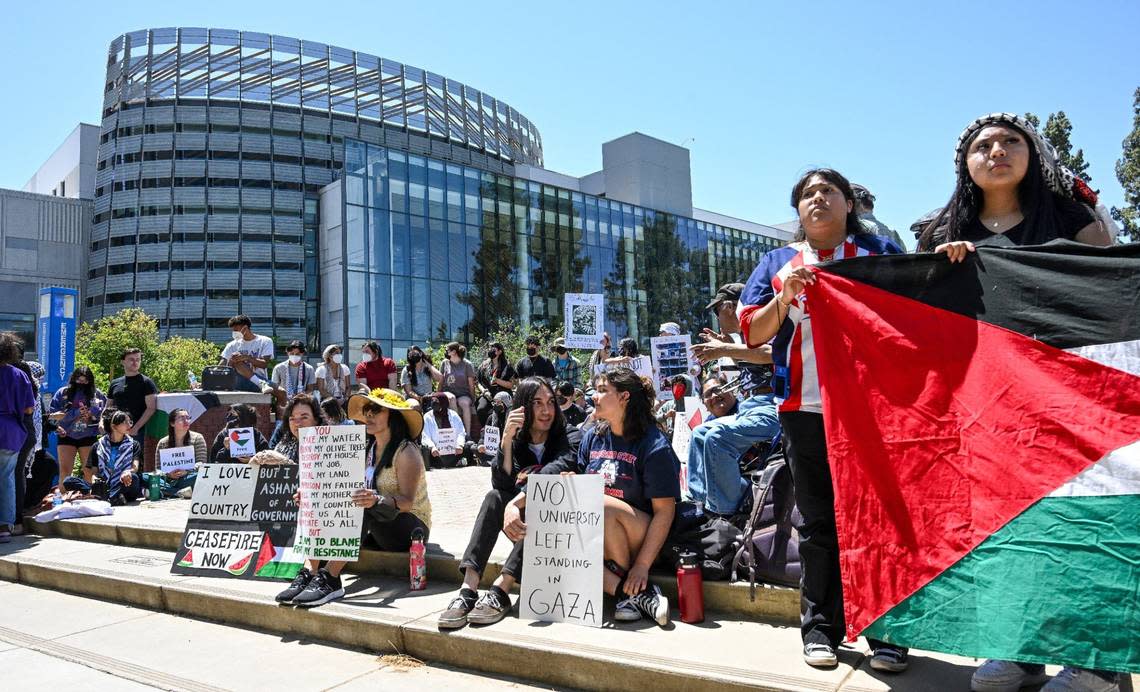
(214, 146)
(332, 195)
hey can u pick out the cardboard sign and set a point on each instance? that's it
(445, 440)
(241, 524)
(176, 459)
(671, 356)
(682, 440)
(585, 318)
(241, 441)
(332, 466)
(562, 570)
(491, 440)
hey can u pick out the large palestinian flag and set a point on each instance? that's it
(983, 423)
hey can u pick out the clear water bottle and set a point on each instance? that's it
(193, 379)
(56, 498)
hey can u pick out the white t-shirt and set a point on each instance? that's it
(258, 347)
(333, 384)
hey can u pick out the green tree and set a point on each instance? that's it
(1058, 131)
(1128, 173)
(177, 356)
(1033, 120)
(100, 344)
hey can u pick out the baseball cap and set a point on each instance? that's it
(725, 292)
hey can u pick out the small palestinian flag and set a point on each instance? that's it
(983, 425)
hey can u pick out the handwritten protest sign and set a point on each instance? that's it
(242, 442)
(332, 466)
(585, 319)
(176, 459)
(562, 571)
(241, 524)
(445, 440)
(491, 440)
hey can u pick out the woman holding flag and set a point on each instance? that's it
(773, 308)
(1011, 189)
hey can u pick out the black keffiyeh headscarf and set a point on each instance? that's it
(1060, 180)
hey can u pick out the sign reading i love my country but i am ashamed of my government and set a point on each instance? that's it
(562, 568)
(331, 467)
(242, 521)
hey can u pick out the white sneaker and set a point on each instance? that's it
(626, 611)
(1003, 676)
(1079, 680)
(185, 493)
(820, 655)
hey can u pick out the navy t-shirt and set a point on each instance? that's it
(636, 471)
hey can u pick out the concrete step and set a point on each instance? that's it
(380, 614)
(160, 525)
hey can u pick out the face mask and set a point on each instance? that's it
(238, 336)
(366, 358)
(490, 355)
(531, 351)
(294, 358)
(678, 391)
(414, 358)
(231, 420)
(338, 358)
(439, 406)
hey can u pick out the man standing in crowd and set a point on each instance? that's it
(248, 353)
(134, 393)
(532, 364)
(716, 447)
(374, 369)
(566, 366)
(865, 208)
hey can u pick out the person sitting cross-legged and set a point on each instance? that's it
(535, 439)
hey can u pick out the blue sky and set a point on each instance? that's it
(758, 91)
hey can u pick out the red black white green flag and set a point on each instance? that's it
(983, 425)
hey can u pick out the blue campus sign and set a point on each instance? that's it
(56, 334)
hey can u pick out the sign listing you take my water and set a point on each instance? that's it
(331, 467)
(562, 570)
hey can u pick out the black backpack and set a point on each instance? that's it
(770, 546)
(714, 539)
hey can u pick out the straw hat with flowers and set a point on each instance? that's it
(389, 399)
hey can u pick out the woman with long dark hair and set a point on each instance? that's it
(394, 498)
(495, 374)
(115, 459)
(1010, 184)
(302, 411)
(179, 434)
(76, 408)
(535, 439)
(773, 308)
(239, 416)
(1011, 189)
(417, 376)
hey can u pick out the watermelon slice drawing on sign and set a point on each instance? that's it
(187, 559)
(240, 566)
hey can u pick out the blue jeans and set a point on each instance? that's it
(8, 486)
(715, 451)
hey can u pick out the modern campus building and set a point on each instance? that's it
(332, 195)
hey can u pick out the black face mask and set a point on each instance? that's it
(414, 358)
(491, 355)
(531, 351)
(439, 406)
(231, 420)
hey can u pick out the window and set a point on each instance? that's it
(20, 243)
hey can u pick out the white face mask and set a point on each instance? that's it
(338, 358)
(366, 358)
(238, 336)
(294, 358)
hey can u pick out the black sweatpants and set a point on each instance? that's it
(488, 524)
(821, 589)
(395, 535)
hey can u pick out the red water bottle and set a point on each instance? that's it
(417, 562)
(690, 589)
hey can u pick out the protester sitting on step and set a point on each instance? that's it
(77, 409)
(115, 460)
(179, 434)
(417, 377)
(239, 416)
(642, 486)
(302, 412)
(248, 353)
(332, 375)
(394, 498)
(334, 412)
(439, 417)
(535, 439)
(500, 408)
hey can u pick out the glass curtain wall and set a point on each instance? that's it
(437, 251)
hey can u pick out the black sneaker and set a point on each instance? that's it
(889, 659)
(651, 604)
(323, 588)
(299, 583)
(490, 608)
(456, 614)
